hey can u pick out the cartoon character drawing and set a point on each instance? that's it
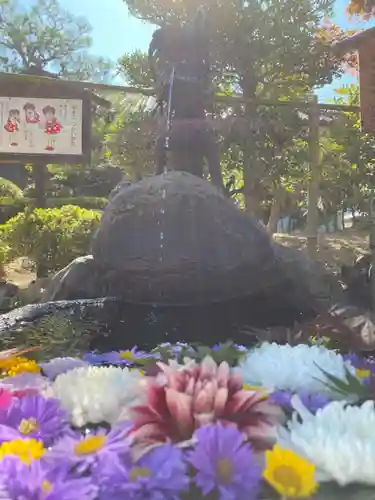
(52, 126)
(32, 118)
(12, 126)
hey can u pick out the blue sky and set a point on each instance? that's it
(116, 32)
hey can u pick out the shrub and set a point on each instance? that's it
(8, 188)
(10, 207)
(51, 237)
(4, 252)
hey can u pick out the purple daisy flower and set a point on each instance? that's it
(361, 363)
(33, 416)
(313, 402)
(91, 451)
(127, 358)
(57, 366)
(160, 474)
(224, 463)
(35, 482)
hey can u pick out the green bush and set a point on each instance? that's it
(10, 207)
(8, 188)
(4, 253)
(50, 237)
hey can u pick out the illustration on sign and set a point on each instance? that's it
(40, 126)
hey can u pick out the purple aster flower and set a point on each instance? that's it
(224, 463)
(312, 402)
(57, 366)
(33, 416)
(25, 381)
(361, 363)
(36, 482)
(160, 474)
(91, 451)
(128, 357)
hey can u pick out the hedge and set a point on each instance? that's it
(50, 237)
(10, 207)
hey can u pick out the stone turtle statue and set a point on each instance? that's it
(174, 239)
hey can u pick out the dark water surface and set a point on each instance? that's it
(74, 327)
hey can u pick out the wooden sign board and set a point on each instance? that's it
(44, 123)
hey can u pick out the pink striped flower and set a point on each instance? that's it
(182, 400)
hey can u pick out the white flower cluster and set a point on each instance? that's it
(292, 368)
(339, 440)
(99, 394)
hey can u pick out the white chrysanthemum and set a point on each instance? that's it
(339, 440)
(99, 394)
(292, 368)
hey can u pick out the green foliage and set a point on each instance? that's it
(136, 69)
(9, 189)
(10, 207)
(4, 253)
(130, 138)
(84, 181)
(350, 387)
(52, 237)
(44, 34)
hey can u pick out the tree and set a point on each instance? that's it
(48, 37)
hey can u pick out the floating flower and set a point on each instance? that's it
(25, 382)
(360, 362)
(26, 450)
(159, 474)
(175, 350)
(15, 365)
(6, 399)
(292, 368)
(99, 394)
(35, 482)
(311, 401)
(224, 463)
(201, 394)
(128, 357)
(292, 476)
(57, 366)
(339, 440)
(33, 417)
(92, 450)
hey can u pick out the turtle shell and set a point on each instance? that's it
(174, 239)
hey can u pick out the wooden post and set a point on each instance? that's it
(372, 249)
(40, 178)
(312, 214)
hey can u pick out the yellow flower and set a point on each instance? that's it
(127, 355)
(26, 450)
(15, 365)
(90, 445)
(362, 373)
(289, 474)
